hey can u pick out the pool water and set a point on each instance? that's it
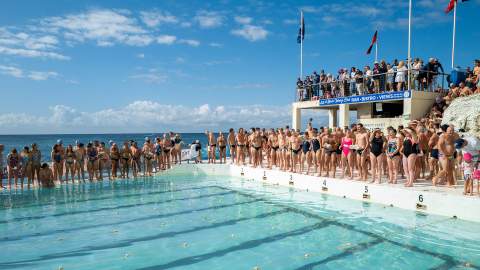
(191, 221)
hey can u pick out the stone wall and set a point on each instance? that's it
(464, 112)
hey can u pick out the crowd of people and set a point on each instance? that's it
(381, 78)
(422, 150)
(94, 160)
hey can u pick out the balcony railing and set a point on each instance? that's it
(374, 84)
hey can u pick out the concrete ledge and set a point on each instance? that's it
(429, 200)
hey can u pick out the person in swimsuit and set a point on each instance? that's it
(80, 154)
(136, 159)
(212, 146)
(159, 153)
(241, 146)
(331, 146)
(115, 158)
(274, 149)
(306, 153)
(57, 160)
(92, 160)
(231, 138)
(409, 152)
(256, 151)
(347, 153)
(45, 177)
(361, 148)
(282, 144)
(125, 159)
(446, 149)
(433, 145)
(177, 140)
(295, 147)
(422, 158)
(2, 165)
(377, 155)
(13, 167)
(222, 148)
(36, 162)
(316, 152)
(149, 155)
(167, 147)
(69, 163)
(26, 157)
(393, 155)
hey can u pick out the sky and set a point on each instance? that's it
(152, 66)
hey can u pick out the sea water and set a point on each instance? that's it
(194, 221)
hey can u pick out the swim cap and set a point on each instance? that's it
(467, 157)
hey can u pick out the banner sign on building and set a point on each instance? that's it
(365, 98)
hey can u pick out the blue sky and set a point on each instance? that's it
(127, 66)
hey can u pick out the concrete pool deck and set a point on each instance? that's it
(423, 197)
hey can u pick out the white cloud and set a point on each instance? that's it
(141, 55)
(157, 17)
(42, 75)
(215, 44)
(243, 20)
(291, 21)
(251, 32)
(151, 76)
(190, 42)
(103, 26)
(148, 116)
(33, 75)
(166, 39)
(209, 19)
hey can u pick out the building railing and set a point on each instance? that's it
(377, 83)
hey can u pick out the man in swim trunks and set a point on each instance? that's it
(361, 142)
(296, 147)
(241, 146)
(232, 145)
(433, 145)
(274, 148)
(446, 149)
(148, 155)
(222, 148)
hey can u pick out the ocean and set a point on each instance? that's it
(46, 142)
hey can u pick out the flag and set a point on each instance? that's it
(301, 31)
(451, 5)
(374, 40)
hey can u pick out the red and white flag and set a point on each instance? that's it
(374, 40)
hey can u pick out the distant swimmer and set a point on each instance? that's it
(46, 178)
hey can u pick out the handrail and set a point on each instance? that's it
(420, 80)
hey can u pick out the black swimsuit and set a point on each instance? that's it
(305, 147)
(409, 148)
(376, 146)
(315, 145)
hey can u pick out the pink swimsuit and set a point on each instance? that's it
(346, 146)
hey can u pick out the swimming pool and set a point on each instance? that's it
(194, 221)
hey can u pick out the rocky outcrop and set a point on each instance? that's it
(464, 113)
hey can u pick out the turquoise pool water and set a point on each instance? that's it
(210, 222)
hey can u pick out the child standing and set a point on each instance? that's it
(467, 168)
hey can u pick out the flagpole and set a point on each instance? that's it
(301, 45)
(376, 51)
(409, 41)
(454, 28)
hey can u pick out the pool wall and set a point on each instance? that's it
(431, 201)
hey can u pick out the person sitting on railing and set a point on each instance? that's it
(300, 89)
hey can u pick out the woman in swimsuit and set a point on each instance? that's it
(331, 146)
(92, 159)
(274, 146)
(125, 158)
(288, 150)
(177, 149)
(316, 152)
(222, 148)
(241, 140)
(393, 155)
(27, 166)
(57, 160)
(13, 166)
(282, 148)
(115, 158)
(409, 152)
(347, 153)
(36, 162)
(159, 153)
(377, 154)
(69, 163)
(306, 156)
(212, 145)
(148, 155)
(103, 160)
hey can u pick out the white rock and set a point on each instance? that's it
(464, 112)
